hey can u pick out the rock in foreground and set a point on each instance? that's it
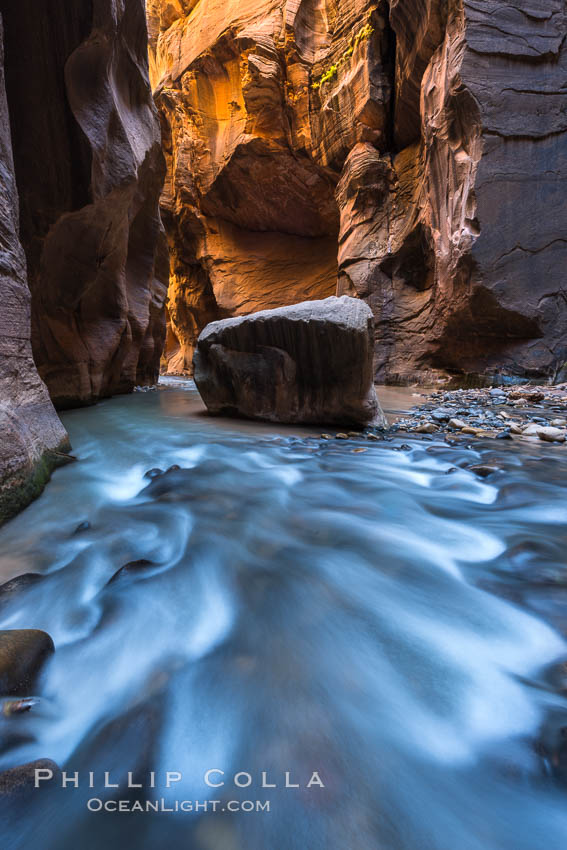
(311, 363)
(19, 781)
(23, 652)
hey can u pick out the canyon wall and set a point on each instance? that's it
(469, 245)
(81, 172)
(253, 157)
(89, 172)
(31, 435)
(409, 152)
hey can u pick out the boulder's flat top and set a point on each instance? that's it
(344, 311)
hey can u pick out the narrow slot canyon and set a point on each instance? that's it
(283, 424)
(215, 159)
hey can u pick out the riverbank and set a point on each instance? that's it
(533, 413)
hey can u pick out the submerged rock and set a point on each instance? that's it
(483, 470)
(11, 707)
(23, 653)
(311, 362)
(17, 585)
(21, 779)
(133, 569)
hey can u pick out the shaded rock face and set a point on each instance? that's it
(311, 362)
(89, 171)
(417, 148)
(455, 238)
(31, 435)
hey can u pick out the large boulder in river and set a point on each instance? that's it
(311, 362)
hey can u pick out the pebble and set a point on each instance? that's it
(457, 423)
(530, 430)
(427, 428)
(527, 395)
(551, 435)
(341, 436)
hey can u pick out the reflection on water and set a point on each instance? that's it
(281, 603)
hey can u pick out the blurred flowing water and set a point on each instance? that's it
(284, 603)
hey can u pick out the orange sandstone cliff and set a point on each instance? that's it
(409, 152)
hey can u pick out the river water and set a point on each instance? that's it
(384, 619)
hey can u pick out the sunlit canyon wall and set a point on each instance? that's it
(409, 152)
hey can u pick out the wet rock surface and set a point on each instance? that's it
(309, 363)
(17, 585)
(21, 780)
(23, 652)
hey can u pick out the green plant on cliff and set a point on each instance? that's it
(333, 70)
